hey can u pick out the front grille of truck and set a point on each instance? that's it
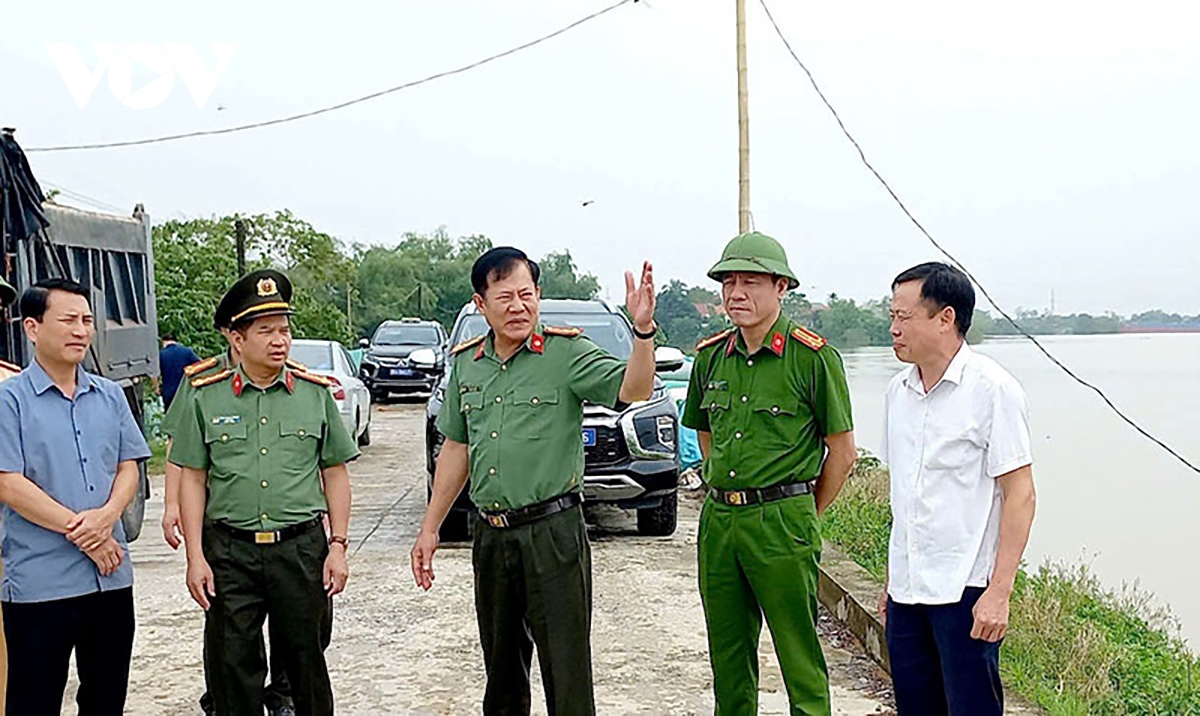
(609, 449)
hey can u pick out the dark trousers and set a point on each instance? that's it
(937, 668)
(98, 627)
(533, 586)
(278, 693)
(254, 582)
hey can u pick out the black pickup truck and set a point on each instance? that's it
(110, 255)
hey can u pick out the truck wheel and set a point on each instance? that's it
(659, 521)
(134, 515)
(365, 439)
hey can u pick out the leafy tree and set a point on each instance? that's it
(560, 278)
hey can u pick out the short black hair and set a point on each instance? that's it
(497, 264)
(36, 298)
(944, 285)
(168, 336)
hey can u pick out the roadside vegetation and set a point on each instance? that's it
(1073, 646)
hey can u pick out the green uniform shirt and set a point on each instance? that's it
(767, 413)
(183, 396)
(522, 419)
(263, 449)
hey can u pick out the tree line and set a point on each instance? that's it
(343, 291)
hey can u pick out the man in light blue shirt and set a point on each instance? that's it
(69, 453)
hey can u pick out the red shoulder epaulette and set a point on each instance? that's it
(714, 339)
(568, 331)
(214, 378)
(808, 338)
(466, 344)
(312, 378)
(202, 366)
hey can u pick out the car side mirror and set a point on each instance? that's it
(364, 343)
(667, 359)
(423, 358)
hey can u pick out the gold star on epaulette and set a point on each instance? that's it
(714, 339)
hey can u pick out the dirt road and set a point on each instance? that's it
(397, 650)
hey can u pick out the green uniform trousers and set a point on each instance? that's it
(533, 586)
(285, 581)
(756, 561)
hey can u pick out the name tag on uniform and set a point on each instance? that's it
(227, 420)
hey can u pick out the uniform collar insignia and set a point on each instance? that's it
(479, 349)
(289, 380)
(238, 384)
(731, 343)
(777, 343)
(537, 342)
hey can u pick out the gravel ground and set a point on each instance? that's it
(397, 650)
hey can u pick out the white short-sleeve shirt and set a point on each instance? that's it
(944, 448)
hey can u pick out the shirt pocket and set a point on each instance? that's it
(777, 422)
(533, 413)
(226, 445)
(953, 448)
(299, 438)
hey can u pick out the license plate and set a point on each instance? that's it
(589, 437)
(400, 373)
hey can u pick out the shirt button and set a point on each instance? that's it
(750, 361)
(491, 471)
(774, 408)
(499, 399)
(745, 398)
(733, 473)
(224, 438)
(301, 433)
(264, 515)
(534, 401)
(263, 420)
(263, 451)
(495, 434)
(737, 435)
(264, 483)
(504, 367)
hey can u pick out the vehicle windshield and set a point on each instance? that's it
(606, 330)
(316, 356)
(406, 336)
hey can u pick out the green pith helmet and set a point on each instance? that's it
(754, 253)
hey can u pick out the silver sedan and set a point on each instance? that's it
(332, 360)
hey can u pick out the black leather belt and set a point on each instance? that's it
(506, 519)
(272, 537)
(762, 495)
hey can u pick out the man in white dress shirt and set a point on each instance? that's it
(957, 443)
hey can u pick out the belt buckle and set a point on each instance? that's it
(497, 520)
(736, 498)
(266, 537)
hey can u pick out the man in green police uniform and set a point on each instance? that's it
(277, 697)
(767, 399)
(263, 438)
(512, 418)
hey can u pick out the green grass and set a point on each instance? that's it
(1073, 647)
(158, 456)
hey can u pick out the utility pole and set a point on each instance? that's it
(239, 233)
(743, 123)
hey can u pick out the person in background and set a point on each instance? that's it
(173, 358)
(8, 294)
(956, 439)
(69, 454)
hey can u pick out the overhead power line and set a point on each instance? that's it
(341, 105)
(862, 156)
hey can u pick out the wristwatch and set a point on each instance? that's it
(338, 539)
(646, 336)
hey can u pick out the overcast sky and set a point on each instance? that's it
(1052, 145)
